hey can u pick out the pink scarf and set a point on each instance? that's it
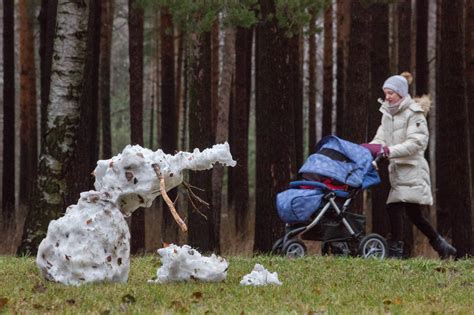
(393, 108)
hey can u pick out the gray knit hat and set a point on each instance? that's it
(398, 84)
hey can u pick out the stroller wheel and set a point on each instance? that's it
(294, 248)
(339, 248)
(277, 247)
(373, 246)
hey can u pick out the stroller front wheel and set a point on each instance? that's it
(294, 248)
(277, 247)
(373, 246)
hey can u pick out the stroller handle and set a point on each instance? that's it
(376, 161)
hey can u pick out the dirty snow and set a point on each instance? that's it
(260, 276)
(185, 263)
(91, 242)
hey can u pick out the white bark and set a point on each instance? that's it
(69, 55)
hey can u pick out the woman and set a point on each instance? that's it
(403, 137)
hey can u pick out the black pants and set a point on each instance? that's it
(413, 212)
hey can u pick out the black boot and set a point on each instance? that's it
(443, 248)
(395, 249)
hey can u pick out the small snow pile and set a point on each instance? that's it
(91, 242)
(260, 276)
(185, 263)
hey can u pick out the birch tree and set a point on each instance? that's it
(67, 75)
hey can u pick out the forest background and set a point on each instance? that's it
(81, 79)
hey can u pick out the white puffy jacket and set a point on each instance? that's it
(406, 134)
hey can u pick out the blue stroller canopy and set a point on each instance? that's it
(344, 161)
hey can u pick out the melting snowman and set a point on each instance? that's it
(91, 242)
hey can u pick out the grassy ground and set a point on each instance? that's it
(310, 285)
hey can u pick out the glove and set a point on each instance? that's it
(377, 149)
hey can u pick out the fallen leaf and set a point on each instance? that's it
(197, 295)
(129, 175)
(71, 301)
(37, 306)
(3, 302)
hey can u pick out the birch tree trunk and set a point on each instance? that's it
(67, 75)
(86, 143)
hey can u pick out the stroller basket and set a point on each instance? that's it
(333, 229)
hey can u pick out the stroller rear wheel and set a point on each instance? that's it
(373, 246)
(294, 248)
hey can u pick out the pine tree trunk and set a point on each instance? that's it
(136, 14)
(312, 83)
(328, 76)
(8, 178)
(276, 162)
(68, 75)
(222, 122)
(358, 75)
(380, 71)
(404, 36)
(452, 147)
(179, 86)
(296, 86)
(202, 231)
(169, 113)
(107, 16)
(343, 31)
(215, 71)
(470, 85)
(47, 20)
(357, 82)
(239, 124)
(28, 133)
(422, 67)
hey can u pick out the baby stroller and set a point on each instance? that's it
(317, 207)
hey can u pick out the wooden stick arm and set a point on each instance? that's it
(167, 199)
